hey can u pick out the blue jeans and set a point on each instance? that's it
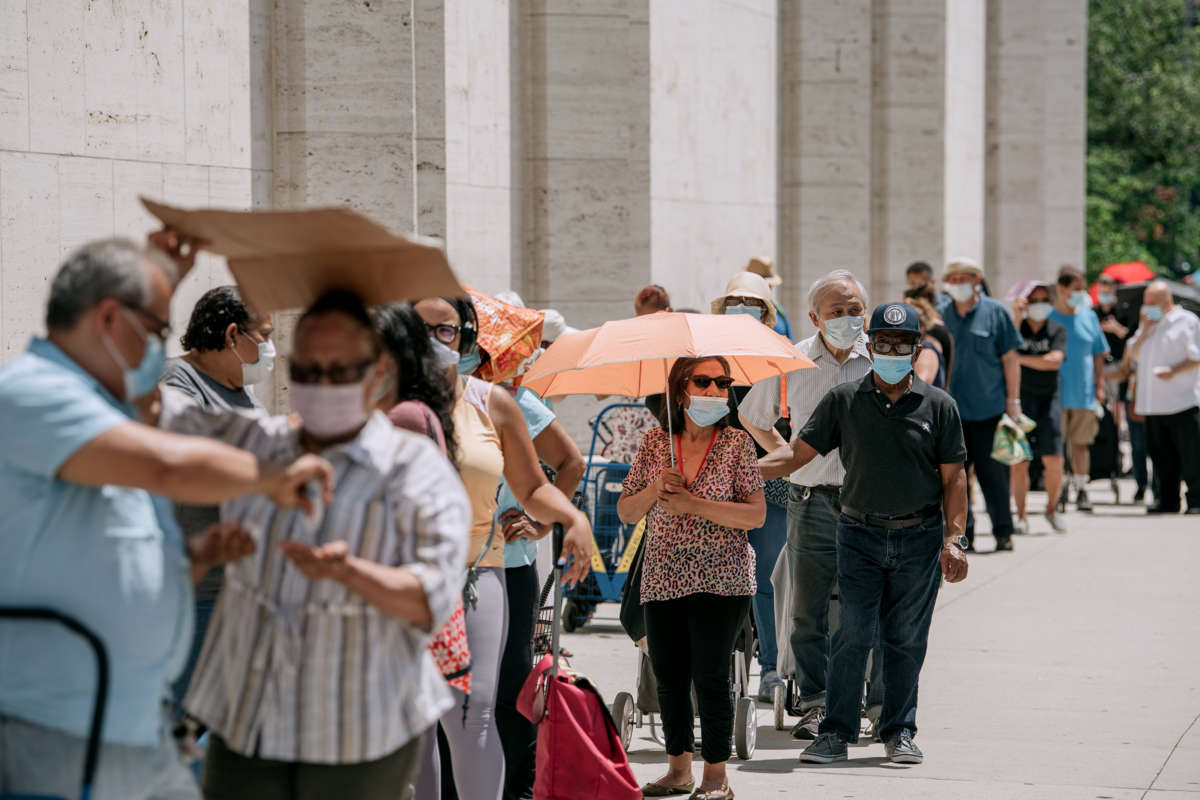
(767, 541)
(888, 582)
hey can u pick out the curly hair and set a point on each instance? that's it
(406, 339)
(215, 311)
(672, 415)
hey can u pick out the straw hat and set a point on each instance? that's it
(766, 268)
(748, 284)
(959, 266)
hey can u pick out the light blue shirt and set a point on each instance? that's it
(523, 552)
(981, 339)
(1076, 376)
(111, 557)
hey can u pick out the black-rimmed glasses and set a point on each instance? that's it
(444, 333)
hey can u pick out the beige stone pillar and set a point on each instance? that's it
(1036, 107)
(966, 84)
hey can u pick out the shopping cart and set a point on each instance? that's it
(92, 753)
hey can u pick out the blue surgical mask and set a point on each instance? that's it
(1153, 313)
(842, 332)
(1107, 299)
(754, 311)
(1078, 299)
(140, 380)
(470, 362)
(892, 369)
(705, 411)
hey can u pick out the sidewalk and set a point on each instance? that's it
(1066, 669)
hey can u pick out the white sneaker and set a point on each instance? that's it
(1021, 526)
(1056, 522)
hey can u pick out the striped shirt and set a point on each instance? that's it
(805, 389)
(307, 671)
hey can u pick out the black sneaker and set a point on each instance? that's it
(1081, 501)
(1157, 509)
(828, 748)
(806, 728)
(1004, 544)
(901, 749)
(1140, 495)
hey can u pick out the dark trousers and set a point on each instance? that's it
(993, 477)
(1174, 444)
(517, 734)
(691, 642)
(232, 776)
(888, 582)
(1137, 446)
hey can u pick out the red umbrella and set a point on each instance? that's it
(1129, 272)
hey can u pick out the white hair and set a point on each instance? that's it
(839, 277)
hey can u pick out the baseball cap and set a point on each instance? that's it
(895, 317)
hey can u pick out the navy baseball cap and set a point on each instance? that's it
(895, 317)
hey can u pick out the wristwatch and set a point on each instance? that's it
(959, 541)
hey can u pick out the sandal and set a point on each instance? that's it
(660, 790)
(720, 794)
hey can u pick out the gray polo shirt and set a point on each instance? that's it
(891, 451)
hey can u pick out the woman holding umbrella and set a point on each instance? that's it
(700, 491)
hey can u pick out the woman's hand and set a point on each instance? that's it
(519, 525)
(677, 500)
(670, 480)
(577, 548)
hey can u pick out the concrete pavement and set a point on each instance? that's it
(1066, 669)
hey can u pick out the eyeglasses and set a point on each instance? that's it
(704, 381)
(159, 328)
(337, 374)
(898, 348)
(444, 333)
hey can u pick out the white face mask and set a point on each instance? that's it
(444, 356)
(1039, 312)
(329, 411)
(962, 292)
(260, 370)
(842, 332)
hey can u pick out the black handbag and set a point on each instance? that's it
(633, 619)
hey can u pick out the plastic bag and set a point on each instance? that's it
(1009, 445)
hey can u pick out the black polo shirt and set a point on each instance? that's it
(891, 451)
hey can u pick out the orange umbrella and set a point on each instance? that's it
(632, 357)
(508, 334)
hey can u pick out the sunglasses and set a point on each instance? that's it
(704, 381)
(898, 348)
(444, 333)
(337, 374)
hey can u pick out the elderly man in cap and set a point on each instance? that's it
(1167, 350)
(986, 382)
(902, 514)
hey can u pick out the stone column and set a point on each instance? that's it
(966, 46)
(1036, 106)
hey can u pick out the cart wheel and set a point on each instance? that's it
(779, 701)
(568, 615)
(745, 728)
(622, 711)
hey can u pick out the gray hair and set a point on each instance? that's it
(99, 270)
(839, 277)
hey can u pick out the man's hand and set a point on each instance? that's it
(954, 563)
(1110, 325)
(1165, 373)
(181, 249)
(327, 562)
(288, 486)
(223, 543)
(1101, 394)
(519, 525)
(577, 547)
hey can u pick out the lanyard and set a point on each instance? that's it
(703, 461)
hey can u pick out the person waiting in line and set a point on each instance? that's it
(1117, 327)
(369, 575)
(227, 350)
(931, 361)
(837, 309)
(935, 327)
(1081, 376)
(88, 528)
(919, 275)
(698, 568)
(765, 269)
(1043, 348)
(903, 511)
(493, 443)
(748, 293)
(1166, 348)
(985, 381)
(650, 300)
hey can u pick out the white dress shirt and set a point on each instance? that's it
(1175, 339)
(805, 388)
(307, 671)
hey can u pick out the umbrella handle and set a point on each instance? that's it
(670, 432)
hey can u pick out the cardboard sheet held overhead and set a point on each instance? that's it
(284, 260)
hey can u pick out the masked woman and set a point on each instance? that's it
(698, 569)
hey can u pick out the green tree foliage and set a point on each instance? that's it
(1143, 162)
